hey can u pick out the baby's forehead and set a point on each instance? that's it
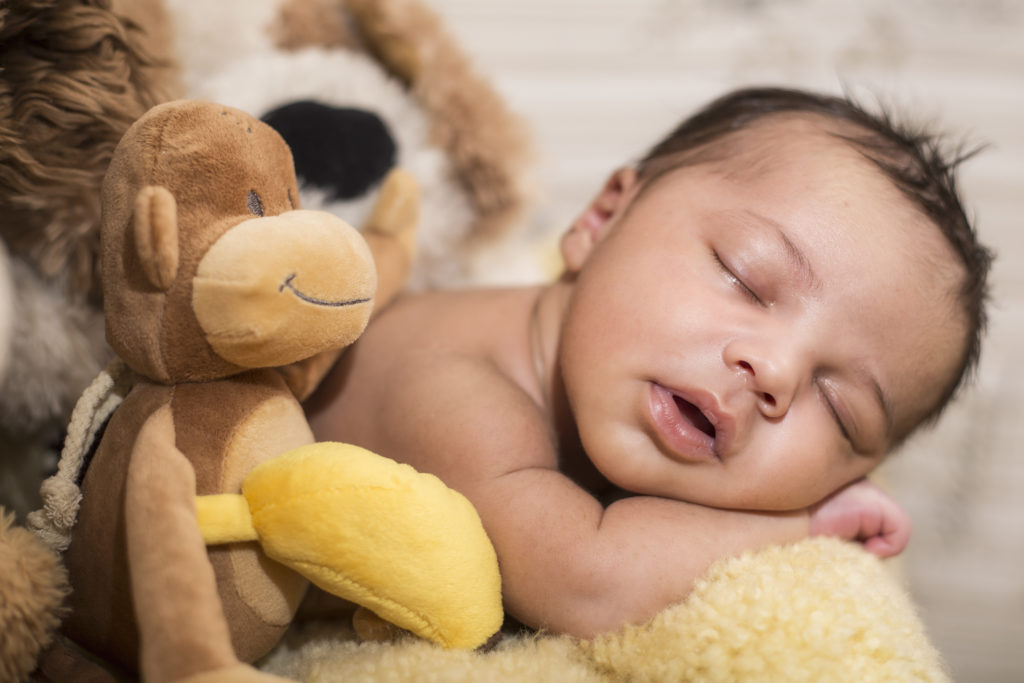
(790, 137)
(808, 158)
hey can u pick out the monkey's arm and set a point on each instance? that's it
(182, 629)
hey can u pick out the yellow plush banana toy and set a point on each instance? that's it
(370, 530)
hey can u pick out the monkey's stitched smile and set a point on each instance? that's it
(287, 284)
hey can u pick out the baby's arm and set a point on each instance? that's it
(575, 567)
(570, 566)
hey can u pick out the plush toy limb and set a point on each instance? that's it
(239, 673)
(390, 233)
(225, 518)
(311, 23)
(303, 377)
(488, 144)
(65, 661)
(182, 630)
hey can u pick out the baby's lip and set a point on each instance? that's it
(686, 433)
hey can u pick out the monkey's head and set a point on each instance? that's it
(209, 265)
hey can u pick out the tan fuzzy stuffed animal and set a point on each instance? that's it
(212, 276)
(32, 588)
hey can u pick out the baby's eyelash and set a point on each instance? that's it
(835, 415)
(735, 279)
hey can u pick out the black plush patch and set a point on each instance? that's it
(339, 149)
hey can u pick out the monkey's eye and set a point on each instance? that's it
(255, 204)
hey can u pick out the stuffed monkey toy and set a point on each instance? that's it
(212, 276)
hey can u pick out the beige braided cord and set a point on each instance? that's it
(60, 493)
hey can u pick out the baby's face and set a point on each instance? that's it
(757, 336)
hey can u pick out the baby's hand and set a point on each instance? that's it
(863, 512)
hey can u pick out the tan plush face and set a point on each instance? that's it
(277, 289)
(208, 266)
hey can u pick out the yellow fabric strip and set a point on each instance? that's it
(225, 518)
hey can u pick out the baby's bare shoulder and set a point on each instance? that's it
(463, 413)
(441, 396)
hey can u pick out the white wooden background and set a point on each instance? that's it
(598, 80)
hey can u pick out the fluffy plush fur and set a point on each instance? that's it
(55, 348)
(6, 308)
(820, 610)
(32, 586)
(74, 74)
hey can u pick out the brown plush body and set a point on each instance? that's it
(219, 431)
(208, 271)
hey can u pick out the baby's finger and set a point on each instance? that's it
(893, 539)
(880, 546)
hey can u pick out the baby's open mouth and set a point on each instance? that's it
(695, 416)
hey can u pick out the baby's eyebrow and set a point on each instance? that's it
(866, 377)
(794, 254)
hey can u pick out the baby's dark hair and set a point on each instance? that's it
(915, 160)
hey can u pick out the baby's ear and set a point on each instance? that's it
(592, 224)
(156, 235)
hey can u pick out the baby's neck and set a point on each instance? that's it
(545, 336)
(545, 328)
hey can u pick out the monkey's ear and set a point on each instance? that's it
(156, 235)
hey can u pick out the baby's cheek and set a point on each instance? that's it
(800, 465)
(616, 453)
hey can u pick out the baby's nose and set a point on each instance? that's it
(772, 377)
